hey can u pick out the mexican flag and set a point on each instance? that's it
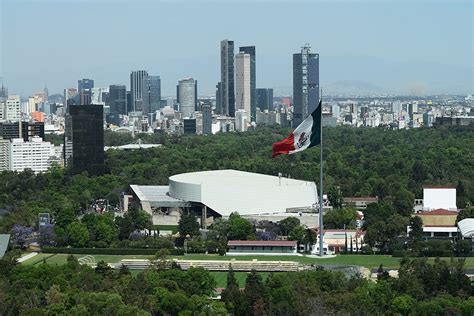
(306, 135)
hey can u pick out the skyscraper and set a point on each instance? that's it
(84, 88)
(206, 118)
(69, 98)
(117, 103)
(12, 108)
(242, 82)
(84, 139)
(151, 94)
(219, 98)
(227, 77)
(136, 88)
(253, 78)
(4, 154)
(265, 99)
(186, 95)
(305, 84)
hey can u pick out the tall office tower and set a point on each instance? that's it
(84, 139)
(151, 94)
(305, 84)
(99, 95)
(69, 98)
(2, 110)
(136, 88)
(265, 99)
(3, 92)
(129, 102)
(353, 110)
(46, 93)
(227, 78)
(206, 118)
(12, 108)
(242, 82)
(4, 154)
(219, 98)
(253, 79)
(84, 88)
(412, 109)
(117, 103)
(34, 155)
(186, 94)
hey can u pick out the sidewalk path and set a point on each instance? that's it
(26, 257)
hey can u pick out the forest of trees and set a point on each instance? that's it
(422, 288)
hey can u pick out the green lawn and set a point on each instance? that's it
(368, 261)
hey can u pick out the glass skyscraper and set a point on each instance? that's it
(84, 88)
(305, 84)
(186, 95)
(253, 79)
(227, 78)
(151, 94)
(136, 88)
(84, 139)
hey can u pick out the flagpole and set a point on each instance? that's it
(321, 242)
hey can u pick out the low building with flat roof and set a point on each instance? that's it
(261, 247)
(360, 202)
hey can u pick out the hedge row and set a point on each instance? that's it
(440, 253)
(111, 251)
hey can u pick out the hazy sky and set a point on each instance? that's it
(396, 45)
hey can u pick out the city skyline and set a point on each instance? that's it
(429, 53)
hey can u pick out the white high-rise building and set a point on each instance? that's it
(242, 120)
(2, 110)
(12, 108)
(97, 95)
(34, 155)
(242, 82)
(187, 95)
(4, 147)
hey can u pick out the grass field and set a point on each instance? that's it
(368, 261)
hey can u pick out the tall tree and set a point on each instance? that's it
(188, 225)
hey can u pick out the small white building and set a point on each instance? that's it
(439, 198)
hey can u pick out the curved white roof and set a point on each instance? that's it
(466, 226)
(227, 191)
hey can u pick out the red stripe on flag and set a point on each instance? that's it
(284, 147)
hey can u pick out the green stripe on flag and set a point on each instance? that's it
(316, 128)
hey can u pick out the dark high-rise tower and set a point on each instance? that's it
(84, 139)
(253, 79)
(206, 118)
(117, 103)
(305, 84)
(265, 99)
(227, 77)
(84, 88)
(136, 88)
(151, 94)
